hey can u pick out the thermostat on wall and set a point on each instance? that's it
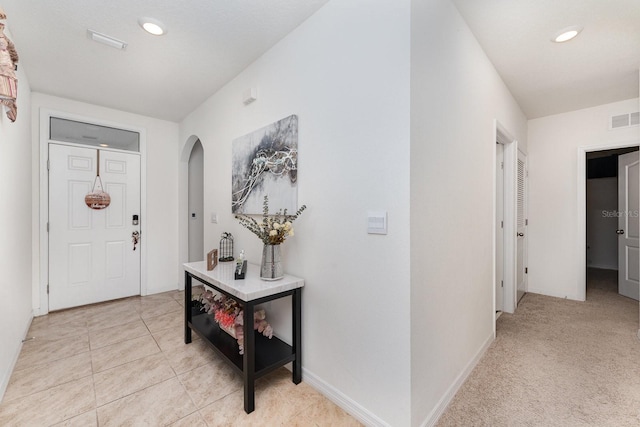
(377, 222)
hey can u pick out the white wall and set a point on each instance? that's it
(196, 203)
(15, 229)
(161, 236)
(602, 241)
(555, 255)
(345, 73)
(455, 96)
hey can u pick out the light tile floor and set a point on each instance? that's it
(125, 363)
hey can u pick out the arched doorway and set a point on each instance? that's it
(183, 204)
(196, 203)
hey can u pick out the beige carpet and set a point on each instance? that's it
(557, 362)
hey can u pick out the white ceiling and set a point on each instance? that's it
(597, 67)
(210, 41)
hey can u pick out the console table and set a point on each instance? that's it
(261, 354)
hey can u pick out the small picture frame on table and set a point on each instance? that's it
(212, 259)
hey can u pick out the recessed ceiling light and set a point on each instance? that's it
(566, 34)
(104, 145)
(152, 26)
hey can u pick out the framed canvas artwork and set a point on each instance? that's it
(265, 162)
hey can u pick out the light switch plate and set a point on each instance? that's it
(214, 218)
(377, 222)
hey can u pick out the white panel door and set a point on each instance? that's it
(521, 226)
(628, 225)
(91, 254)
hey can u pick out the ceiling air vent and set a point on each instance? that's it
(624, 120)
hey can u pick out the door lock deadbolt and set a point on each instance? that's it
(135, 220)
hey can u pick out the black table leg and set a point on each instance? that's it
(296, 309)
(187, 307)
(249, 359)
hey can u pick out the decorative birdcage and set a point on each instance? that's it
(226, 247)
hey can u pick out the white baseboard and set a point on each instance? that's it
(6, 376)
(553, 293)
(437, 412)
(162, 290)
(360, 413)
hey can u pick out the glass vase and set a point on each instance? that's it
(271, 266)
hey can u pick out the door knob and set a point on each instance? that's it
(619, 231)
(520, 234)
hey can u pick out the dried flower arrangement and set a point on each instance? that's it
(272, 230)
(228, 313)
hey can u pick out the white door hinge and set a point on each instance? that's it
(48, 164)
(47, 227)
(47, 289)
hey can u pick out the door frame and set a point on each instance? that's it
(499, 253)
(40, 221)
(510, 144)
(581, 217)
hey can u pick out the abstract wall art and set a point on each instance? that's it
(265, 162)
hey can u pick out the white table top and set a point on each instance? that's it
(247, 289)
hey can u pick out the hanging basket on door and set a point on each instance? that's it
(98, 198)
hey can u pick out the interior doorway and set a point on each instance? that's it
(196, 203)
(510, 208)
(183, 204)
(612, 223)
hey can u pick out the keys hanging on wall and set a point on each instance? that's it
(135, 237)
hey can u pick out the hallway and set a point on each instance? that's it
(558, 362)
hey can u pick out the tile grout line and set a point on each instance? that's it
(45, 389)
(128, 361)
(181, 359)
(40, 365)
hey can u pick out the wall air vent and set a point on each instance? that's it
(624, 120)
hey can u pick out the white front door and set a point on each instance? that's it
(521, 227)
(628, 225)
(91, 254)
